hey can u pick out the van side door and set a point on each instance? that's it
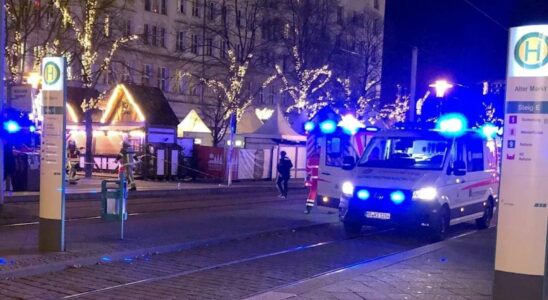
(477, 179)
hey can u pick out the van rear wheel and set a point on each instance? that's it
(352, 227)
(485, 221)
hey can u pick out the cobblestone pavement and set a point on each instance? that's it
(461, 268)
(229, 270)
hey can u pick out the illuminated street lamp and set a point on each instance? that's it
(441, 87)
(34, 79)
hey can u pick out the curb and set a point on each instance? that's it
(158, 193)
(316, 282)
(130, 254)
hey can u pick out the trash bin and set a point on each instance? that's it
(113, 200)
(26, 176)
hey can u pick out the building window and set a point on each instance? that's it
(156, 6)
(195, 8)
(194, 44)
(162, 37)
(222, 49)
(180, 46)
(181, 6)
(128, 28)
(126, 76)
(271, 95)
(261, 96)
(154, 36)
(209, 47)
(340, 15)
(376, 4)
(147, 74)
(182, 86)
(163, 83)
(211, 11)
(147, 5)
(146, 30)
(164, 8)
(108, 76)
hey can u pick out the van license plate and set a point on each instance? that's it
(377, 215)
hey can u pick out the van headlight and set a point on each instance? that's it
(347, 189)
(426, 194)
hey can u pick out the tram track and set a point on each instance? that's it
(243, 265)
(226, 264)
(231, 269)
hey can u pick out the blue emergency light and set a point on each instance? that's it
(350, 124)
(328, 126)
(489, 130)
(309, 126)
(363, 194)
(452, 125)
(397, 197)
(12, 126)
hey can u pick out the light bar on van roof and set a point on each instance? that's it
(452, 125)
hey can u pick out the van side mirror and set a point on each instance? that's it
(348, 163)
(459, 168)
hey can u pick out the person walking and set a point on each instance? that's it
(9, 165)
(125, 160)
(73, 161)
(284, 170)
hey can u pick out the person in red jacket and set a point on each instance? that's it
(312, 167)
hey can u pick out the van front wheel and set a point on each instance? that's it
(441, 225)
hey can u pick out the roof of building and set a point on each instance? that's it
(150, 102)
(277, 127)
(75, 97)
(192, 123)
(249, 122)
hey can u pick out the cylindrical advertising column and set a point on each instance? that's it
(520, 264)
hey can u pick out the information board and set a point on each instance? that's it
(522, 226)
(53, 155)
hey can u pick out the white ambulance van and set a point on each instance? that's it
(422, 178)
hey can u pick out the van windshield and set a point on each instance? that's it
(405, 153)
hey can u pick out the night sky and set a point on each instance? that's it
(455, 40)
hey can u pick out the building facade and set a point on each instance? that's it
(178, 42)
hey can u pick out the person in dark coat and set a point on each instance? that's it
(9, 165)
(284, 170)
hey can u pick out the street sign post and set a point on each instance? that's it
(53, 156)
(520, 265)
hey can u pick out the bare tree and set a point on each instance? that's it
(308, 43)
(230, 72)
(357, 61)
(32, 29)
(94, 42)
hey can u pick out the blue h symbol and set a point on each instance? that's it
(537, 50)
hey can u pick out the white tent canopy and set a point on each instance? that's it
(277, 127)
(249, 122)
(192, 123)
